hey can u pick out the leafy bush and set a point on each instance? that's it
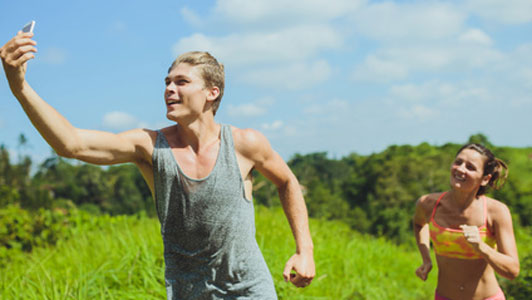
(22, 230)
(521, 287)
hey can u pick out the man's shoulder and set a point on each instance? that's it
(139, 135)
(246, 135)
(249, 141)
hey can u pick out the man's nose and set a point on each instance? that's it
(170, 88)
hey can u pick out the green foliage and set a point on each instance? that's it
(374, 193)
(105, 258)
(122, 258)
(14, 178)
(480, 138)
(521, 287)
(380, 189)
(59, 182)
(21, 230)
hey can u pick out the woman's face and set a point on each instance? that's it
(467, 171)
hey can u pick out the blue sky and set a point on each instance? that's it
(339, 76)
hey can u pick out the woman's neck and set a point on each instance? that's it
(462, 199)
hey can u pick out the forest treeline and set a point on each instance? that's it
(376, 193)
(373, 193)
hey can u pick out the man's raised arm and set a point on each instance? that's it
(88, 145)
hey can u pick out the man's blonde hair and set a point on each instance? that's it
(211, 71)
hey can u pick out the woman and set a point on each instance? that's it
(472, 234)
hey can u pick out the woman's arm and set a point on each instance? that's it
(421, 232)
(504, 259)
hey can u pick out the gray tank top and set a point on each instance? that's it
(208, 229)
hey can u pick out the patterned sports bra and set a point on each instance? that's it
(451, 242)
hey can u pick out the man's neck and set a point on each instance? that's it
(198, 134)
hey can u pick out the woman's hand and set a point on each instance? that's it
(424, 270)
(472, 235)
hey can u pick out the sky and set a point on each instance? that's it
(335, 76)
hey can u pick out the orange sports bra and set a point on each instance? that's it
(451, 242)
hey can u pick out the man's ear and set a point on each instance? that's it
(213, 93)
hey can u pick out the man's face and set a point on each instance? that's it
(185, 93)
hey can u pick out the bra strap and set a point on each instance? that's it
(486, 214)
(436, 205)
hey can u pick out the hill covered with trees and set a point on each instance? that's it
(374, 195)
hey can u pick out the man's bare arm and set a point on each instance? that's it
(257, 148)
(88, 145)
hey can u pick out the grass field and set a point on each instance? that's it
(123, 260)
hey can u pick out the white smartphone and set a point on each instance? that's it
(28, 27)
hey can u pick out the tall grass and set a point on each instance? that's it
(123, 259)
(348, 265)
(120, 261)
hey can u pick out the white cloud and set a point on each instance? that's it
(119, 121)
(427, 91)
(422, 57)
(275, 125)
(273, 12)
(517, 69)
(252, 109)
(292, 76)
(418, 112)
(380, 69)
(476, 36)
(246, 110)
(439, 94)
(54, 56)
(289, 44)
(526, 75)
(191, 17)
(332, 108)
(421, 20)
(279, 129)
(397, 63)
(504, 11)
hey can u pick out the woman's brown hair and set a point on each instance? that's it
(492, 166)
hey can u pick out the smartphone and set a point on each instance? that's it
(28, 27)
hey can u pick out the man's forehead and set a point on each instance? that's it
(184, 70)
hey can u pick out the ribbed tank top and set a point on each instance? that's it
(208, 229)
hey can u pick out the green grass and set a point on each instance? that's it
(348, 265)
(124, 260)
(121, 261)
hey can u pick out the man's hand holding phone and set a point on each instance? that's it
(16, 53)
(28, 27)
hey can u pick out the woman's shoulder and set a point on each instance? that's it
(496, 208)
(428, 201)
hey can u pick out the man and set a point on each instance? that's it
(199, 172)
